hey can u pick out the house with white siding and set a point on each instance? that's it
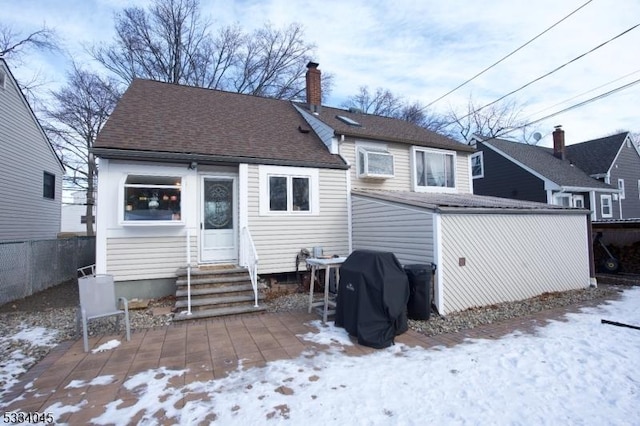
(30, 170)
(211, 178)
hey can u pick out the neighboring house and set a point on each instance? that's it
(520, 171)
(215, 166)
(614, 160)
(30, 171)
(74, 215)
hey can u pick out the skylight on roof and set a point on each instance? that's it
(349, 121)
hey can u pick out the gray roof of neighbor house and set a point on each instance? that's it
(469, 203)
(161, 121)
(596, 156)
(542, 161)
(369, 126)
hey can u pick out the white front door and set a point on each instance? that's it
(218, 226)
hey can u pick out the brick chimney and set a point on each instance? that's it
(558, 143)
(314, 92)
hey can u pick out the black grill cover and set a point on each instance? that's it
(372, 298)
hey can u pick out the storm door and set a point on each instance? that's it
(219, 236)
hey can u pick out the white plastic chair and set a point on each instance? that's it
(98, 300)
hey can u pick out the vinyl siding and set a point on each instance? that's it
(627, 166)
(143, 258)
(26, 155)
(407, 232)
(510, 257)
(402, 168)
(503, 178)
(279, 239)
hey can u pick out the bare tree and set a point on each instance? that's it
(488, 122)
(170, 41)
(384, 102)
(78, 112)
(14, 44)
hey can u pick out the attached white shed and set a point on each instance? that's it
(487, 250)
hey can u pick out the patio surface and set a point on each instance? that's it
(209, 349)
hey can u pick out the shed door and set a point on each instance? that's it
(219, 237)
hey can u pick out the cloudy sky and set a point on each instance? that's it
(419, 49)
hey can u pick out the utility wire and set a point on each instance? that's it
(552, 71)
(510, 54)
(583, 93)
(572, 107)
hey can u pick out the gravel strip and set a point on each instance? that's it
(21, 315)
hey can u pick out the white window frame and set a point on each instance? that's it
(621, 188)
(472, 157)
(604, 197)
(575, 199)
(265, 172)
(122, 206)
(366, 150)
(414, 171)
(562, 196)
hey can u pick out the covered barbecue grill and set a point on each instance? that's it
(372, 298)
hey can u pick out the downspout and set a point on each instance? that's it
(593, 282)
(349, 209)
(438, 291)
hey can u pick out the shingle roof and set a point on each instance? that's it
(542, 161)
(384, 128)
(467, 202)
(154, 117)
(596, 156)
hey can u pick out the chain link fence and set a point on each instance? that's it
(27, 267)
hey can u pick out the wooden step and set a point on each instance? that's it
(219, 301)
(218, 312)
(182, 272)
(205, 291)
(217, 281)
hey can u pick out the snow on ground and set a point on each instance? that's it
(575, 372)
(17, 362)
(111, 344)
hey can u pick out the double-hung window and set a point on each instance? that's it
(434, 170)
(288, 190)
(477, 165)
(152, 199)
(621, 188)
(49, 185)
(605, 206)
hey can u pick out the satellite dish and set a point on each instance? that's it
(537, 136)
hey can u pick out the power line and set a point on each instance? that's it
(552, 71)
(584, 93)
(510, 54)
(572, 107)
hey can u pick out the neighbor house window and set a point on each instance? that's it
(152, 199)
(434, 170)
(288, 190)
(605, 206)
(562, 200)
(621, 188)
(477, 165)
(49, 185)
(374, 163)
(578, 201)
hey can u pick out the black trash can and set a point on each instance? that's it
(419, 305)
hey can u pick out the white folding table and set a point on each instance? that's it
(325, 264)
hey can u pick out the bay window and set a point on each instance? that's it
(152, 199)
